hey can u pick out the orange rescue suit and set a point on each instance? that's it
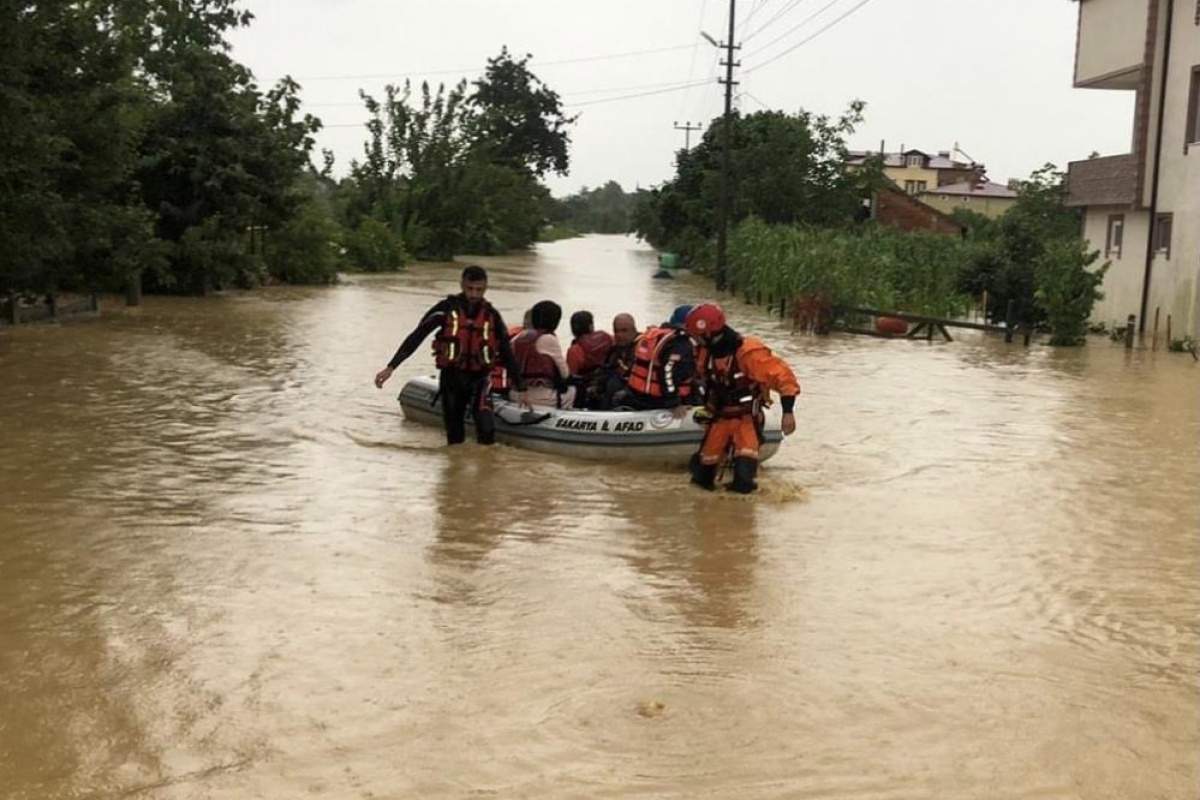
(738, 387)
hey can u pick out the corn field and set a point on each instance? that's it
(878, 268)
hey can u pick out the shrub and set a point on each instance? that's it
(374, 248)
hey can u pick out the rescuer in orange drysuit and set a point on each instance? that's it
(740, 372)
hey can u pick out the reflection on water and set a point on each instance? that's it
(229, 568)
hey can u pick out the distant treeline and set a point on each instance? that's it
(606, 209)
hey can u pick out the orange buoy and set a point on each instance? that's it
(892, 325)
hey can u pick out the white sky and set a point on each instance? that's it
(992, 75)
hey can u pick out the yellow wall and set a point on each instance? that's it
(902, 174)
(988, 206)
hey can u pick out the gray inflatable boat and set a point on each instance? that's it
(655, 437)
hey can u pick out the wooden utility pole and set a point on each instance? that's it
(687, 129)
(726, 124)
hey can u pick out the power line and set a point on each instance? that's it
(759, 6)
(666, 88)
(695, 47)
(796, 27)
(744, 93)
(579, 93)
(679, 88)
(471, 70)
(774, 17)
(805, 41)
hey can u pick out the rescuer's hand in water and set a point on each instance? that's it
(382, 376)
(788, 423)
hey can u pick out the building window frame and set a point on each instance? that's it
(1114, 240)
(1163, 224)
(1191, 125)
(915, 187)
(914, 161)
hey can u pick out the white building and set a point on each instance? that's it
(1142, 208)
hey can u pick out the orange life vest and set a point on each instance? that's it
(500, 381)
(646, 376)
(466, 342)
(536, 368)
(595, 347)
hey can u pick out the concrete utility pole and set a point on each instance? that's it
(687, 129)
(726, 124)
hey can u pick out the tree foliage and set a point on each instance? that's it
(136, 144)
(1034, 258)
(457, 169)
(605, 209)
(787, 169)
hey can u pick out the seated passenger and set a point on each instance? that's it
(586, 358)
(619, 362)
(540, 358)
(664, 367)
(625, 333)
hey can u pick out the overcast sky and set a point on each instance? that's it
(992, 75)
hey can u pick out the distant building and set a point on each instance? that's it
(1142, 208)
(982, 197)
(916, 171)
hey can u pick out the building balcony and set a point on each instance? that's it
(1110, 181)
(1111, 49)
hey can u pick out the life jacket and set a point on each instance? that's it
(620, 359)
(500, 381)
(731, 393)
(646, 375)
(536, 368)
(466, 342)
(595, 347)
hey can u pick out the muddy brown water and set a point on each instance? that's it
(230, 569)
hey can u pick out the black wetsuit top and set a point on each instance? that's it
(434, 319)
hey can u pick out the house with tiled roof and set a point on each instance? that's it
(981, 196)
(917, 171)
(1142, 208)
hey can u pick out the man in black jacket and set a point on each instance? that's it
(472, 337)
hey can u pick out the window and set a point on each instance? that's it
(1191, 127)
(914, 187)
(915, 161)
(1116, 235)
(1162, 234)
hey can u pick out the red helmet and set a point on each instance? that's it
(705, 320)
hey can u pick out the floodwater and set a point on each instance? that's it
(230, 569)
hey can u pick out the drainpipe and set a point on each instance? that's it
(1158, 139)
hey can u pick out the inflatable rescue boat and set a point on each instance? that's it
(647, 436)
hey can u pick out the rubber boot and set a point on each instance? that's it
(703, 475)
(744, 470)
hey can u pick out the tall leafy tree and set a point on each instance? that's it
(520, 120)
(220, 158)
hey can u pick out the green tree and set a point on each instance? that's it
(519, 120)
(786, 168)
(1066, 288)
(70, 117)
(453, 170)
(220, 159)
(1011, 251)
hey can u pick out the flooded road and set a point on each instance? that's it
(230, 569)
